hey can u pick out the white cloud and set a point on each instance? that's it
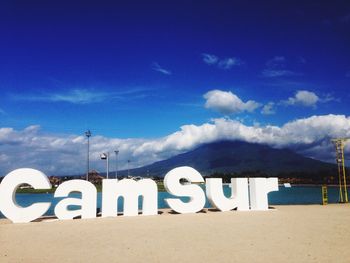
(327, 98)
(268, 109)
(228, 103)
(62, 154)
(80, 96)
(157, 67)
(228, 63)
(58, 154)
(272, 73)
(303, 98)
(84, 96)
(225, 63)
(209, 58)
(276, 67)
(75, 96)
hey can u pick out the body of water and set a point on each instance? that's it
(285, 196)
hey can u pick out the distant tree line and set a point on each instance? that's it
(321, 177)
(297, 177)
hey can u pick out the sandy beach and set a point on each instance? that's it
(310, 233)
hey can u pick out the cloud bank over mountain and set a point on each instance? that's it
(66, 154)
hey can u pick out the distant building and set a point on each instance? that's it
(55, 181)
(67, 178)
(95, 177)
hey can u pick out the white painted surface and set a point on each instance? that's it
(194, 192)
(8, 186)
(258, 190)
(130, 190)
(239, 198)
(87, 202)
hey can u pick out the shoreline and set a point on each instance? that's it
(294, 233)
(160, 188)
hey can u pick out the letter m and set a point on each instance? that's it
(130, 191)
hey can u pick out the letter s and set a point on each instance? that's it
(194, 192)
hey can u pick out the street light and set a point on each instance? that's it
(88, 135)
(105, 156)
(128, 168)
(116, 163)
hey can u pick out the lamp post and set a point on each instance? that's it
(116, 163)
(88, 135)
(105, 156)
(128, 168)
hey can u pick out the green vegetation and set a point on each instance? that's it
(161, 187)
(52, 190)
(35, 191)
(320, 177)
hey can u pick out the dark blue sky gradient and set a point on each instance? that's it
(110, 48)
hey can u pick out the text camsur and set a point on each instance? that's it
(246, 195)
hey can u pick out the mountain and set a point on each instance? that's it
(237, 157)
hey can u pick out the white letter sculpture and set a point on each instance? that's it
(239, 194)
(173, 186)
(8, 186)
(87, 201)
(130, 190)
(258, 190)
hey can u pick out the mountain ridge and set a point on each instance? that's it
(235, 157)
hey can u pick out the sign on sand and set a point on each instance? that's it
(246, 195)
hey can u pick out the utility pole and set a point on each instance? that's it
(105, 156)
(88, 135)
(116, 163)
(128, 168)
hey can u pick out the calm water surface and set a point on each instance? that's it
(285, 196)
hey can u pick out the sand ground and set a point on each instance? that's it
(311, 233)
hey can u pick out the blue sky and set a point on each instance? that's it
(142, 70)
